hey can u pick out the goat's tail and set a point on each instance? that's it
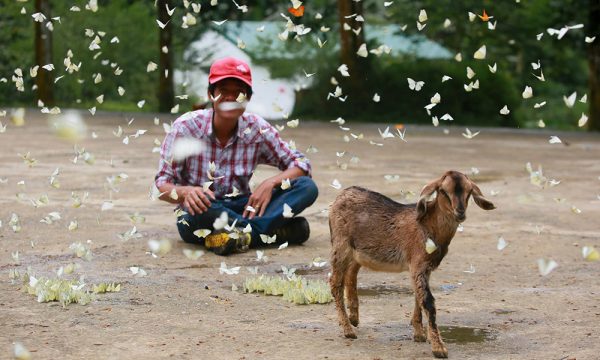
(330, 232)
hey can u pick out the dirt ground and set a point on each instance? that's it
(492, 304)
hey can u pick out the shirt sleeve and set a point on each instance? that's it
(276, 152)
(169, 170)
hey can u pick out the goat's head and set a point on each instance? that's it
(453, 190)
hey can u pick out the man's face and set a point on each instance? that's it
(226, 98)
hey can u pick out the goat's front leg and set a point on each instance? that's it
(427, 301)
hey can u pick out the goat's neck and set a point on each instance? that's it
(440, 225)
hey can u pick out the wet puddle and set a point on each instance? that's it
(465, 335)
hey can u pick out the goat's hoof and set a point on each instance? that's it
(354, 320)
(349, 334)
(440, 352)
(419, 337)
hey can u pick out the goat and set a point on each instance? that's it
(369, 229)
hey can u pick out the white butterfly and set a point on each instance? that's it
(229, 271)
(493, 68)
(590, 254)
(422, 16)
(283, 246)
(420, 26)
(504, 110)
(193, 254)
(470, 72)
(159, 247)
(501, 243)
(161, 25)
(546, 266)
(527, 93)
(415, 85)
(230, 227)
(480, 53)
(285, 184)
(343, 69)
(469, 135)
(554, 140)
(401, 134)
(386, 133)
(287, 211)
(362, 51)
(288, 272)
(260, 256)
(582, 120)
(471, 269)
(539, 105)
(447, 117)
(268, 239)
(221, 221)
(336, 184)
(570, 101)
(202, 233)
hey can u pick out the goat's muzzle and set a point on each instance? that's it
(460, 216)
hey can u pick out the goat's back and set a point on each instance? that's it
(357, 211)
(373, 228)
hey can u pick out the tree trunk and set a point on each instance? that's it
(43, 54)
(594, 63)
(350, 42)
(166, 90)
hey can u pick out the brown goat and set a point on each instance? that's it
(369, 229)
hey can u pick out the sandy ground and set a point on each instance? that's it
(493, 304)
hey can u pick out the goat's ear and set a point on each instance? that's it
(480, 200)
(427, 191)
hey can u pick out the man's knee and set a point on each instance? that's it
(308, 187)
(186, 231)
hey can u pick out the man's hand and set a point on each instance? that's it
(260, 199)
(195, 199)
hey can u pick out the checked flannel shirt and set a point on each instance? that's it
(255, 142)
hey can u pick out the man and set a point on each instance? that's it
(212, 186)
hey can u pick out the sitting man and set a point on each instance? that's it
(212, 185)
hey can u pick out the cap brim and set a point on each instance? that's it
(217, 79)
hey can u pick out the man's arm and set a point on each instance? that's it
(193, 198)
(261, 196)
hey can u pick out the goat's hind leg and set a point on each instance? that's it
(427, 301)
(339, 267)
(351, 290)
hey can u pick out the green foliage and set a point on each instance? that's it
(399, 104)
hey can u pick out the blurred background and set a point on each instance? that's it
(153, 56)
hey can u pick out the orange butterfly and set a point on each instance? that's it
(297, 12)
(485, 16)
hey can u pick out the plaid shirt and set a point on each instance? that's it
(255, 142)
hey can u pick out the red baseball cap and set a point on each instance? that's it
(230, 68)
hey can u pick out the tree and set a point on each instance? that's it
(166, 91)
(350, 42)
(594, 64)
(43, 54)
